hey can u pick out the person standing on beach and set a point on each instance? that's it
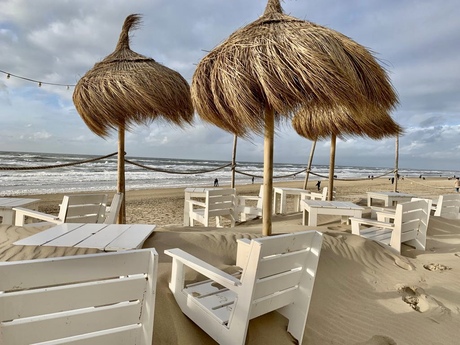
(216, 183)
(457, 184)
(318, 184)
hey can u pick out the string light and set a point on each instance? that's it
(40, 83)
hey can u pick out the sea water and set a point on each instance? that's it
(101, 174)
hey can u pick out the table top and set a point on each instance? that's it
(16, 202)
(290, 190)
(107, 237)
(391, 194)
(333, 204)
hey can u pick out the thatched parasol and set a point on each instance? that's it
(278, 65)
(320, 123)
(127, 88)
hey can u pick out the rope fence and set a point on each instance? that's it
(59, 165)
(190, 172)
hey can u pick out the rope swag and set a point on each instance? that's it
(59, 165)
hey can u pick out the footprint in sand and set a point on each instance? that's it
(436, 267)
(419, 300)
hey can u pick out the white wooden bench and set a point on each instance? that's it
(106, 298)
(410, 224)
(448, 206)
(278, 273)
(219, 202)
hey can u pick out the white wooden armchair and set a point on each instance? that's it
(219, 202)
(250, 206)
(448, 206)
(78, 208)
(407, 224)
(106, 298)
(308, 195)
(278, 273)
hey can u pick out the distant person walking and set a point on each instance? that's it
(457, 184)
(216, 183)
(318, 185)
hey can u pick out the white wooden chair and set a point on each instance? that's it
(308, 195)
(448, 206)
(219, 202)
(278, 273)
(410, 224)
(79, 208)
(250, 206)
(106, 298)
(111, 213)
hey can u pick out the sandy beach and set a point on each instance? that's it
(364, 293)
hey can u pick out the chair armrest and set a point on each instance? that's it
(242, 251)
(196, 203)
(385, 216)
(243, 198)
(21, 213)
(183, 258)
(357, 222)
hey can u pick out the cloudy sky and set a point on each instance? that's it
(58, 41)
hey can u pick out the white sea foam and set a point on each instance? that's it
(102, 174)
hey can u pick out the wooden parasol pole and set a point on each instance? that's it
(121, 173)
(330, 192)
(310, 160)
(267, 201)
(235, 139)
(395, 186)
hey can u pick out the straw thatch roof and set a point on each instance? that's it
(321, 123)
(127, 88)
(291, 66)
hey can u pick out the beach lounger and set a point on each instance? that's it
(407, 224)
(106, 298)
(219, 202)
(278, 273)
(79, 208)
(448, 206)
(250, 210)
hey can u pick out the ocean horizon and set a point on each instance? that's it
(101, 174)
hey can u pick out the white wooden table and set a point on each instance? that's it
(312, 208)
(6, 207)
(106, 237)
(389, 198)
(190, 193)
(283, 192)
